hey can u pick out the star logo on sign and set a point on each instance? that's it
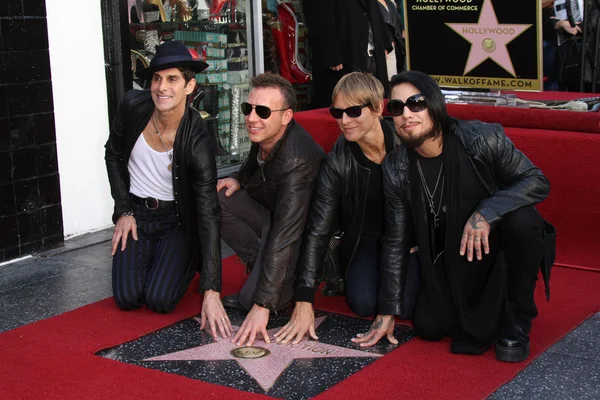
(488, 39)
(266, 370)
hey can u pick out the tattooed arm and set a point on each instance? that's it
(475, 236)
(382, 325)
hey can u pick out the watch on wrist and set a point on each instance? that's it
(127, 214)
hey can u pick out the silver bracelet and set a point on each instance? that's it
(127, 214)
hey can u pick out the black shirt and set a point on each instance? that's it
(373, 218)
(433, 173)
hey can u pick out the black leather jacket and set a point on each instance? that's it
(284, 185)
(339, 205)
(508, 175)
(194, 179)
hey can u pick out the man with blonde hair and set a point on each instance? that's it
(348, 205)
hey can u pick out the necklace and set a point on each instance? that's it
(430, 196)
(169, 153)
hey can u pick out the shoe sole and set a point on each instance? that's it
(509, 355)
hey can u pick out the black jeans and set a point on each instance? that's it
(245, 226)
(155, 269)
(523, 247)
(362, 279)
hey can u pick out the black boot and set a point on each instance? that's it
(334, 283)
(513, 348)
(335, 288)
(232, 301)
(469, 347)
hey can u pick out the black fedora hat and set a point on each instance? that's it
(171, 54)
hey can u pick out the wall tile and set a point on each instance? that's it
(32, 247)
(3, 102)
(27, 66)
(5, 142)
(46, 159)
(27, 194)
(6, 167)
(7, 200)
(24, 164)
(9, 234)
(45, 131)
(9, 254)
(11, 8)
(30, 201)
(49, 190)
(2, 68)
(30, 226)
(29, 99)
(21, 132)
(34, 8)
(53, 221)
(37, 34)
(13, 34)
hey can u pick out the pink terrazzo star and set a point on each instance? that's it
(488, 39)
(268, 369)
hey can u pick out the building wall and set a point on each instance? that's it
(81, 112)
(30, 200)
(53, 124)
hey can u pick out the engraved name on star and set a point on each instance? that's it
(266, 370)
(488, 39)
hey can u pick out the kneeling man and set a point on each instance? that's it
(471, 196)
(264, 207)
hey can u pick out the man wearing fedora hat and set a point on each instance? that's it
(162, 172)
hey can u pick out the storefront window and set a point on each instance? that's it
(286, 48)
(218, 31)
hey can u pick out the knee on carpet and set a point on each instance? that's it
(523, 223)
(427, 329)
(160, 305)
(127, 304)
(363, 306)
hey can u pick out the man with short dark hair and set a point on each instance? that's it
(265, 205)
(162, 172)
(470, 195)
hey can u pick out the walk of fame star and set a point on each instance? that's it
(294, 372)
(489, 38)
(268, 369)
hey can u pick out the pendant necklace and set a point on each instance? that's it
(169, 153)
(431, 196)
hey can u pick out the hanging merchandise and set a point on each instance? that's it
(289, 45)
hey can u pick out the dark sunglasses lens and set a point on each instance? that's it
(336, 113)
(395, 107)
(416, 103)
(246, 108)
(263, 111)
(353, 112)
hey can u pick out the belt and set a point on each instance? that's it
(153, 204)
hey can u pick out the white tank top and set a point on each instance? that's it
(149, 172)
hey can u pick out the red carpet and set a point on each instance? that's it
(53, 359)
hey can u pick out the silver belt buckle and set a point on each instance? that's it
(155, 205)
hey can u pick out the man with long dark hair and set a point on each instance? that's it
(471, 196)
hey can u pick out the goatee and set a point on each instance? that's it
(416, 142)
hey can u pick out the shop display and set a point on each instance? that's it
(216, 31)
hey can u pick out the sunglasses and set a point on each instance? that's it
(415, 103)
(263, 112)
(352, 112)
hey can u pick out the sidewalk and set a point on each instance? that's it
(77, 274)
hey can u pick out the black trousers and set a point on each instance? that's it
(245, 226)
(523, 246)
(155, 269)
